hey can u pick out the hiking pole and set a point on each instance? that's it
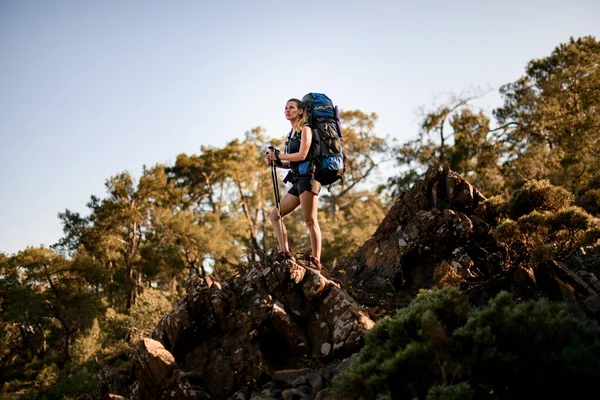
(276, 192)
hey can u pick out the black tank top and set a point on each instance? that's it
(293, 146)
(293, 143)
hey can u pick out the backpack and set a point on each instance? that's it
(327, 153)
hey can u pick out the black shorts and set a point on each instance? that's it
(304, 183)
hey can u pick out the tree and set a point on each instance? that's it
(74, 227)
(119, 223)
(246, 169)
(456, 135)
(364, 151)
(552, 117)
(227, 189)
(352, 225)
(543, 224)
(40, 287)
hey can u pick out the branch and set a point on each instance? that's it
(360, 179)
(503, 126)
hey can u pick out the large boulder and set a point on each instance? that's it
(432, 223)
(222, 337)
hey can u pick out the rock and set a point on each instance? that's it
(114, 381)
(289, 329)
(299, 381)
(267, 319)
(295, 394)
(315, 381)
(286, 378)
(157, 373)
(324, 394)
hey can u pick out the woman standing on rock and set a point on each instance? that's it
(305, 189)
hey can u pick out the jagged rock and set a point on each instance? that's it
(442, 224)
(432, 222)
(157, 373)
(315, 380)
(287, 377)
(324, 394)
(283, 330)
(295, 394)
(114, 381)
(227, 335)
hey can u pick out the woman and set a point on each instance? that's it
(305, 189)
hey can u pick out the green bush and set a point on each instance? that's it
(491, 210)
(71, 384)
(539, 196)
(592, 236)
(544, 225)
(440, 348)
(461, 391)
(589, 199)
(140, 321)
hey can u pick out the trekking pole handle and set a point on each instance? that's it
(276, 152)
(273, 149)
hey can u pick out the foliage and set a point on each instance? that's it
(538, 195)
(445, 275)
(543, 224)
(352, 225)
(87, 345)
(440, 348)
(552, 117)
(546, 129)
(46, 297)
(588, 197)
(138, 322)
(71, 383)
(454, 134)
(491, 210)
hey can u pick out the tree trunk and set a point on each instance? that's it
(132, 284)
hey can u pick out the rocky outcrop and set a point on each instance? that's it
(434, 222)
(441, 232)
(284, 330)
(223, 337)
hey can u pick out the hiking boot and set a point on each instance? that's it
(284, 255)
(312, 260)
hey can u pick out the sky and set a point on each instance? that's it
(89, 89)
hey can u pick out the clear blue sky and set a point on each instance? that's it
(89, 89)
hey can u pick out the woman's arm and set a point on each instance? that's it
(305, 142)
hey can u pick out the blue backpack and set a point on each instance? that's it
(326, 153)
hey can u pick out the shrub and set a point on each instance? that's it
(445, 275)
(440, 348)
(461, 391)
(73, 383)
(87, 345)
(544, 224)
(540, 196)
(140, 321)
(491, 210)
(592, 236)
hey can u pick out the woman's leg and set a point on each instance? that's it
(309, 202)
(287, 205)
